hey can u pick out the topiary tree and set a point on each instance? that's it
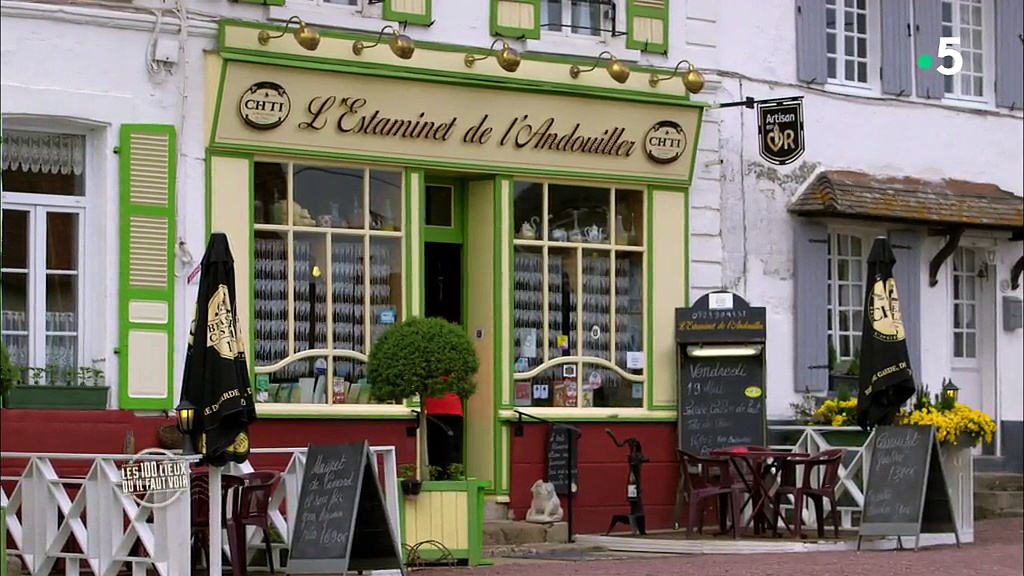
(424, 357)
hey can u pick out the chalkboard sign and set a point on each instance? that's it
(563, 470)
(721, 403)
(721, 317)
(906, 492)
(340, 507)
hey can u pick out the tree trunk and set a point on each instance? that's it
(424, 460)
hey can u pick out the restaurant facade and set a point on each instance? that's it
(546, 209)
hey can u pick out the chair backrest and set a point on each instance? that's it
(253, 503)
(830, 460)
(200, 497)
(707, 467)
(262, 477)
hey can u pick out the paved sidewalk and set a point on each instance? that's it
(997, 551)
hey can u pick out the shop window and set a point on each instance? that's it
(578, 296)
(965, 303)
(846, 270)
(578, 17)
(43, 215)
(964, 19)
(328, 280)
(846, 41)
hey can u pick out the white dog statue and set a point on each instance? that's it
(545, 507)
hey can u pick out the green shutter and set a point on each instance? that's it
(146, 295)
(262, 2)
(408, 11)
(515, 18)
(647, 25)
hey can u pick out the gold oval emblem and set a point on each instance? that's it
(752, 391)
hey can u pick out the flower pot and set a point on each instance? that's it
(411, 487)
(48, 397)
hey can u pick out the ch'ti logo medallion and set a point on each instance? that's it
(264, 105)
(665, 142)
(780, 131)
(220, 328)
(886, 320)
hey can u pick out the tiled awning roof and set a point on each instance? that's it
(938, 203)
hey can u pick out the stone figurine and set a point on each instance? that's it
(545, 507)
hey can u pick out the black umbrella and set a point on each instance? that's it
(216, 379)
(886, 377)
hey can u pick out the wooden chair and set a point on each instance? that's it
(829, 461)
(713, 479)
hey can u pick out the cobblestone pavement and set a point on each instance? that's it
(996, 551)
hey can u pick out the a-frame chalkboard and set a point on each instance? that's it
(341, 523)
(906, 492)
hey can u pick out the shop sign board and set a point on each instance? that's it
(780, 130)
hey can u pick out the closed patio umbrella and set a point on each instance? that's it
(216, 378)
(886, 376)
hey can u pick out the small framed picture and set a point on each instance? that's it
(568, 371)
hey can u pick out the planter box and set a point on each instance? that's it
(846, 438)
(835, 381)
(450, 512)
(71, 397)
(958, 466)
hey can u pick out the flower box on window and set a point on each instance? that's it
(53, 387)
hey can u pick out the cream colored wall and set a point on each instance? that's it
(668, 263)
(229, 213)
(480, 317)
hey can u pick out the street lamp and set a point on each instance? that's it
(186, 412)
(950, 391)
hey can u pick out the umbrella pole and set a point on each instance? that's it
(312, 335)
(216, 555)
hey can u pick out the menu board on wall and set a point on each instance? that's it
(563, 457)
(721, 403)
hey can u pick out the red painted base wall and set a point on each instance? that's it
(103, 432)
(602, 473)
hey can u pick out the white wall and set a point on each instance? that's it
(86, 66)
(864, 132)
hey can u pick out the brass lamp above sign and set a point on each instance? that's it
(780, 130)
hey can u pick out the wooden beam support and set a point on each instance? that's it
(952, 241)
(1015, 273)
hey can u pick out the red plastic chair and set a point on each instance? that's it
(829, 460)
(252, 508)
(714, 479)
(200, 503)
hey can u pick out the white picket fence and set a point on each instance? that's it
(48, 513)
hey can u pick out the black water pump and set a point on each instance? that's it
(636, 458)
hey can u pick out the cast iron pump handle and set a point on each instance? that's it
(636, 454)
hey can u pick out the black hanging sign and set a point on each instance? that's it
(906, 492)
(721, 318)
(780, 130)
(342, 523)
(563, 459)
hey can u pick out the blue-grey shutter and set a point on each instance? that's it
(1009, 39)
(897, 52)
(811, 63)
(907, 246)
(810, 272)
(927, 31)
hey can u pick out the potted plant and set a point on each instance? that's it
(429, 357)
(55, 386)
(8, 373)
(411, 485)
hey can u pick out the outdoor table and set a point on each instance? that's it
(756, 469)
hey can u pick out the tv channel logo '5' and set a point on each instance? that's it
(947, 49)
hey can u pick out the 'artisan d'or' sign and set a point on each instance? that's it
(265, 105)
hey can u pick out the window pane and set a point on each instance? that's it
(958, 344)
(843, 271)
(830, 43)
(528, 206)
(271, 303)
(552, 15)
(970, 345)
(947, 11)
(978, 86)
(562, 266)
(539, 391)
(596, 305)
(528, 303)
(969, 316)
(844, 295)
(862, 72)
(855, 343)
(958, 316)
(62, 352)
(609, 389)
(349, 385)
(44, 163)
(439, 205)
(385, 284)
(629, 217)
(970, 286)
(844, 321)
(327, 196)
(629, 324)
(857, 270)
(62, 299)
(385, 200)
(862, 27)
(15, 316)
(579, 210)
(309, 259)
(61, 241)
(15, 239)
(270, 192)
(347, 270)
(845, 346)
(586, 18)
(832, 67)
(300, 382)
